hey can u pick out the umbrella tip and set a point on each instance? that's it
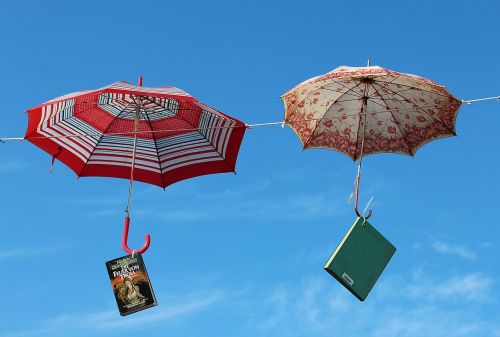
(369, 63)
(140, 81)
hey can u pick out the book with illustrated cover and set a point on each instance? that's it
(360, 258)
(130, 283)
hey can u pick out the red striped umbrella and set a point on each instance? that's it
(174, 135)
(154, 135)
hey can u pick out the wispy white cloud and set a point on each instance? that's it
(430, 321)
(110, 319)
(97, 201)
(256, 201)
(472, 287)
(312, 306)
(485, 245)
(31, 251)
(260, 199)
(12, 165)
(254, 205)
(67, 323)
(457, 250)
(255, 187)
(317, 306)
(279, 300)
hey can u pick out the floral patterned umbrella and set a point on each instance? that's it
(364, 110)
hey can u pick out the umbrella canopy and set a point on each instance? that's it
(154, 135)
(172, 135)
(364, 110)
(381, 109)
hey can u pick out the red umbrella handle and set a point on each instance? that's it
(125, 239)
(127, 218)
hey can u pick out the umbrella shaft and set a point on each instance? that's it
(129, 204)
(137, 124)
(358, 177)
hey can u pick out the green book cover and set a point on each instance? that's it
(360, 258)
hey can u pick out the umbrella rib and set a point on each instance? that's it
(173, 113)
(346, 93)
(392, 99)
(359, 125)
(73, 116)
(151, 111)
(123, 102)
(394, 79)
(410, 88)
(333, 104)
(345, 86)
(100, 139)
(64, 109)
(212, 145)
(322, 87)
(198, 130)
(404, 90)
(421, 109)
(393, 117)
(74, 105)
(347, 100)
(146, 118)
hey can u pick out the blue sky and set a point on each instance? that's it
(242, 255)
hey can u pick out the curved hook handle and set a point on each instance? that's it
(358, 214)
(125, 239)
(356, 202)
(358, 181)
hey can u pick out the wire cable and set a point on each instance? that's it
(248, 126)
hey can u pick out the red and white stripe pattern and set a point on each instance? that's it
(179, 137)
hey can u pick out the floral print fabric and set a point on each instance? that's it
(402, 111)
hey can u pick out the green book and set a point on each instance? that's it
(360, 258)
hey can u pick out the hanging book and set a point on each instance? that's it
(360, 258)
(130, 283)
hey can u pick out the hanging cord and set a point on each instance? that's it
(3, 140)
(368, 204)
(470, 101)
(282, 124)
